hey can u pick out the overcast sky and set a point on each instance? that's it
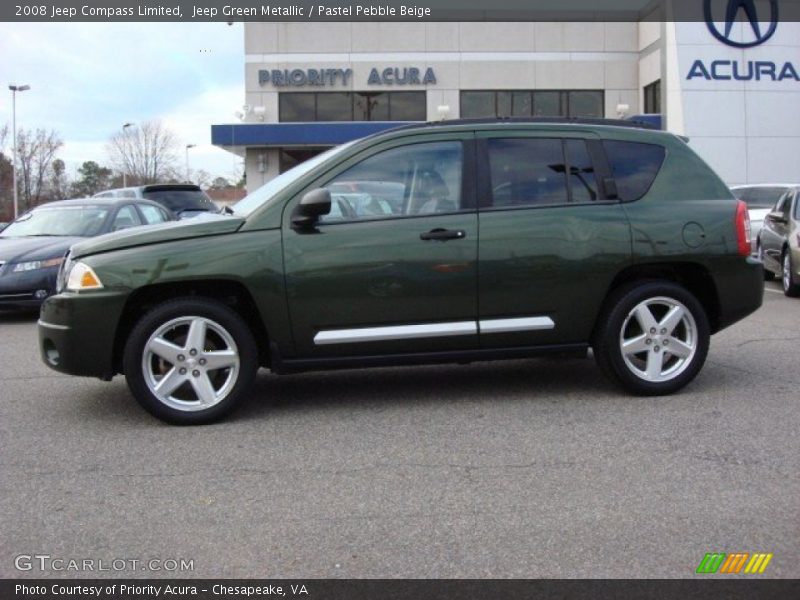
(88, 79)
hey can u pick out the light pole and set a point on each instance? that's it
(187, 161)
(125, 168)
(14, 89)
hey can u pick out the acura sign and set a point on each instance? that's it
(734, 8)
(756, 32)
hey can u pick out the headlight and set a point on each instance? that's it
(63, 271)
(82, 277)
(33, 265)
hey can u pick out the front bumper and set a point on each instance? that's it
(77, 332)
(28, 289)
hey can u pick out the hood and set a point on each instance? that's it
(28, 248)
(200, 226)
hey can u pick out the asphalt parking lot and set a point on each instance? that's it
(535, 468)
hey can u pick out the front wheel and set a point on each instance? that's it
(790, 286)
(189, 361)
(653, 338)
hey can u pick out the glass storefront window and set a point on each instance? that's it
(334, 106)
(371, 106)
(548, 104)
(352, 106)
(652, 98)
(297, 107)
(475, 105)
(585, 104)
(407, 106)
(541, 103)
(521, 104)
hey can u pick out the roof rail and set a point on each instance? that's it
(544, 120)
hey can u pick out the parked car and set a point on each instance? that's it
(592, 235)
(183, 200)
(33, 247)
(779, 242)
(760, 199)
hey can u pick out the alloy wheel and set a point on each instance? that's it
(190, 363)
(658, 339)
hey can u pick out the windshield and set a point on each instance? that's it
(262, 195)
(181, 200)
(78, 221)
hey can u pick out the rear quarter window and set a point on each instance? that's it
(634, 166)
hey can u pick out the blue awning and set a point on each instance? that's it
(653, 119)
(297, 134)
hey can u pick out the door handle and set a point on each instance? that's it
(442, 235)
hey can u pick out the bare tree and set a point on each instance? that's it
(201, 178)
(6, 178)
(147, 153)
(35, 152)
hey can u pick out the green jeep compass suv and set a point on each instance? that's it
(453, 241)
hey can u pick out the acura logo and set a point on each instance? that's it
(750, 12)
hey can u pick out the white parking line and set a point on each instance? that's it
(773, 291)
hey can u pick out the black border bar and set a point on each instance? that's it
(407, 589)
(376, 10)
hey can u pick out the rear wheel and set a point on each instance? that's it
(190, 361)
(791, 287)
(653, 338)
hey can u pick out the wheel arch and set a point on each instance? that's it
(229, 292)
(696, 278)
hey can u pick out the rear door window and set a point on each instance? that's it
(126, 217)
(527, 172)
(582, 181)
(635, 166)
(152, 214)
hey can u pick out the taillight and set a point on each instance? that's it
(742, 229)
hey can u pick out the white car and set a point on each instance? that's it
(760, 198)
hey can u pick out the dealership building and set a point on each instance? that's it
(733, 89)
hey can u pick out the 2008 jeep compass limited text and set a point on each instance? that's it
(430, 243)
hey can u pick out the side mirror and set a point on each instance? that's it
(776, 216)
(610, 188)
(311, 207)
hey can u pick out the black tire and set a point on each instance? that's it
(225, 337)
(618, 322)
(768, 275)
(791, 287)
